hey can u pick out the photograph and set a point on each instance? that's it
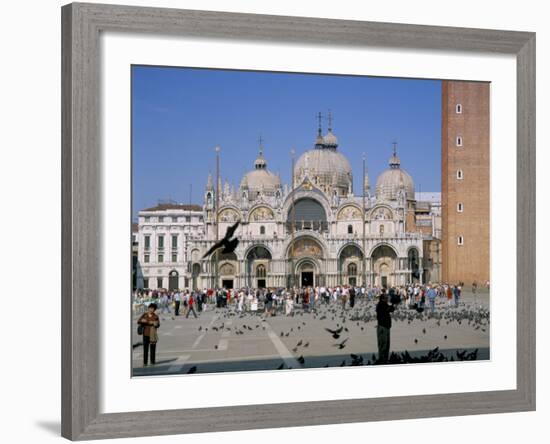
(284, 221)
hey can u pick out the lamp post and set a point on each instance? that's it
(293, 221)
(217, 149)
(364, 240)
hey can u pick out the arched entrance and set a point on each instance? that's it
(384, 262)
(224, 269)
(305, 251)
(257, 266)
(173, 280)
(350, 261)
(307, 273)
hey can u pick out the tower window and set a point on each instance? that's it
(460, 207)
(460, 240)
(459, 141)
(262, 230)
(459, 108)
(350, 229)
(459, 174)
(381, 229)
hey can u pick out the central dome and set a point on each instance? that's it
(324, 165)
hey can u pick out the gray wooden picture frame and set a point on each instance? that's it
(81, 172)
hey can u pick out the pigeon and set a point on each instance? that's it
(415, 341)
(228, 243)
(281, 366)
(301, 359)
(192, 369)
(306, 344)
(342, 344)
(335, 333)
(216, 347)
(299, 343)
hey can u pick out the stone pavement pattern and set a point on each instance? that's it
(222, 340)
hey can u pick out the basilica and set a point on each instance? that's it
(315, 231)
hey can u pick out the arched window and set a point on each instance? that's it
(381, 229)
(352, 269)
(260, 271)
(350, 229)
(262, 230)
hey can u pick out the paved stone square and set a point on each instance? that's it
(222, 340)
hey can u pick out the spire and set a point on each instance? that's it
(260, 163)
(330, 139)
(319, 141)
(394, 159)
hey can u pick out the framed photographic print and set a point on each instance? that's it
(278, 221)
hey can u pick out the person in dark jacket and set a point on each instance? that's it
(383, 315)
(352, 296)
(150, 322)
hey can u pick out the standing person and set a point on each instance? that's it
(474, 291)
(240, 301)
(164, 303)
(177, 302)
(432, 294)
(449, 293)
(457, 294)
(352, 297)
(345, 293)
(150, 322)
(383, 310)
(191, 305)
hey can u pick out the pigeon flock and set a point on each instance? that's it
(339, 325)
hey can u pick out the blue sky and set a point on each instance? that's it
(180, 114)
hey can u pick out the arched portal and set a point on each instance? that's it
(173, 278)
(349, 259)
(258, 259)
(384, 262)
(227, 265)
(307, 273)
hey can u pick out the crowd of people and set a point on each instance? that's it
(284, 301)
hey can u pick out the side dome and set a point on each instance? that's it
(260, 179)
(392, 180)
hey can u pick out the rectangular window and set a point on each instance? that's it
(161, 242)
(159, 282)
(160, 258)
(147, 242)
(146, 258)
(460, 207)
(174, 258)
(145, 282)
(147, 219)
(460, 240)
(174, 241)
(458, 108)
(161, 218)
(459, 141)
(187, 218)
